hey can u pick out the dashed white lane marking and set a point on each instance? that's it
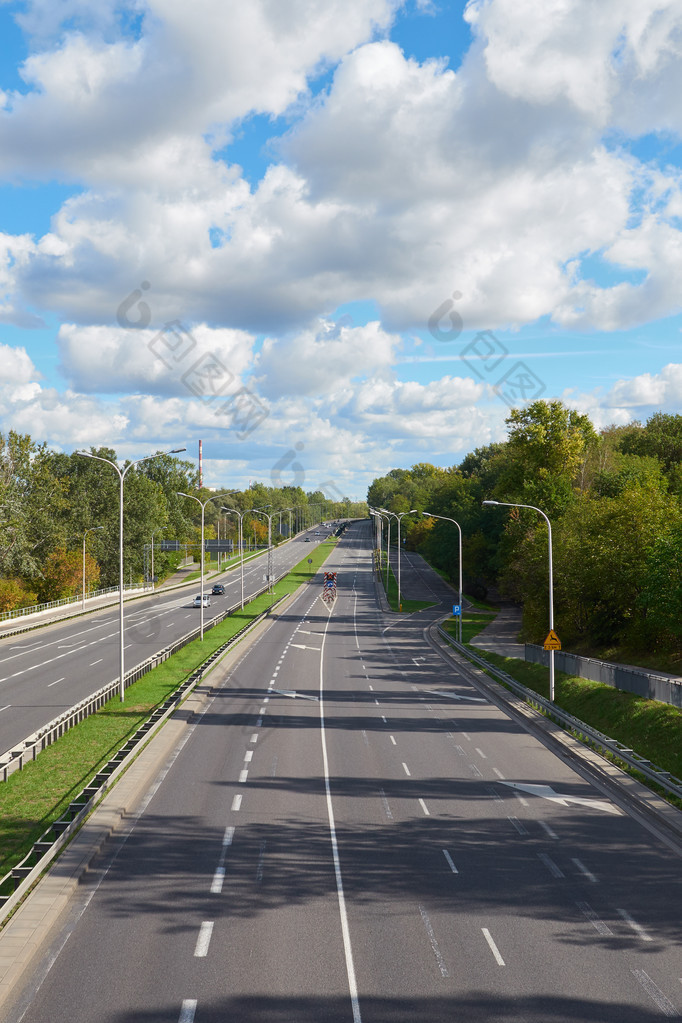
(493, 947)
(522, 801)
(259, 722)
(383, 719)
(637, 928)
(50, 684)
(204, 939)
(518, 825)
(434, 944)
(8, 705)
(583, 870)
(377, 702)
(237, 802)
(254, 737)
(266, 700)
(547, 829)
(451, 865)
(552, 867)
(93, 663)
(424, 808)
(655, 993)
(248, 756)
(498, 773)
(262, 710)
(466, 736)
(406, 770)
(392, 737)
(387, 809)
(243, 775)
(189, 1007)
(600, 927)
(480, 752)
(371, 689)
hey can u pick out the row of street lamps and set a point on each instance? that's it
(122, 474)
(379, 513)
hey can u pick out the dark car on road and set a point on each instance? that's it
(218, 589)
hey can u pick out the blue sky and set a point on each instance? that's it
(302, 191)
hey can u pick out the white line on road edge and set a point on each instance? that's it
(434, 944)
(345, 931)
(655, 993)
(493, 947)
(204, 939)
(451, 865)
(189, 1007)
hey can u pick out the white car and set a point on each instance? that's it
(197, 600)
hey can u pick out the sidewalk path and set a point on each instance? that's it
(500, 637)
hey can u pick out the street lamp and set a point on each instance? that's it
(241, 543)
(515, 504)
(91, 530)
(446, 518)
(121, 476)
(398, 516)
(213, 497)
(259, 511)
(379, 528)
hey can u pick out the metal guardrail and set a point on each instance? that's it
(20, 612)
(21, 877)
(584, 732)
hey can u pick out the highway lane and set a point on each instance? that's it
(46, 672)
(353, 832)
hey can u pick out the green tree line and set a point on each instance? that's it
(49, 499)
(614, 499)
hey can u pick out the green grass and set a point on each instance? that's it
(34, 797)
(651, 728)
(407, 605)
(472, 624)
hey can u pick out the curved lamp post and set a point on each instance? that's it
(446, 518)
(240, 541)
(398, 516)
(259, 511)
(515, 504)
(122, 475)
(213, 497)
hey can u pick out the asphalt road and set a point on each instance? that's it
(353, 832)
(45, 672)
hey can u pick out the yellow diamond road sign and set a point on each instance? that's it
(552, 642)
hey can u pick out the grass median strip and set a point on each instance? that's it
(31, 799)
(405, 605)
(651, 728)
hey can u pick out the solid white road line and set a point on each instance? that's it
(451, 865)
(345, 930)
(204, 939)
(387, 809)
(493, 947)
(189, 1007)
(637, 928)
(583, 870)
(237, 802)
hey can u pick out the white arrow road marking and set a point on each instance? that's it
(300, 646)
(456, 696)
(293, 694)
(547, 792)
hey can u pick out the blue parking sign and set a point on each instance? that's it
(456, 609)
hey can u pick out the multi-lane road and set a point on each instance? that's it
(353, 832)
(47, 671)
